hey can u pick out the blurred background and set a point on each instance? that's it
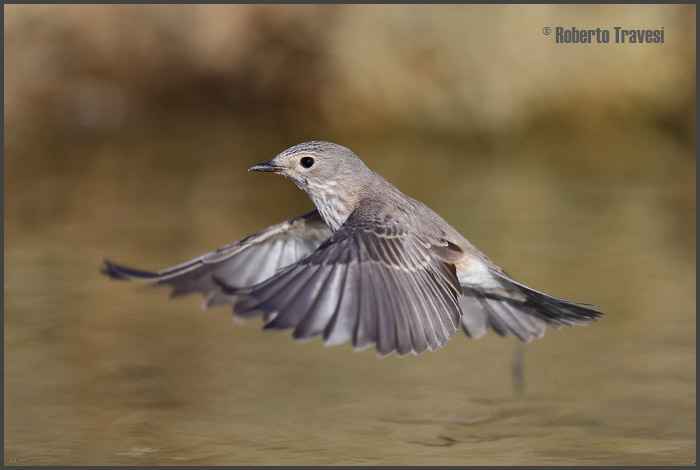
(128, 132)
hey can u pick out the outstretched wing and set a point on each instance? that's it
(373, 282)
(519, 309)
(242, 263)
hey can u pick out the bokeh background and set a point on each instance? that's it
(128, 132)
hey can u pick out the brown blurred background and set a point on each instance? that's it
(128, 130)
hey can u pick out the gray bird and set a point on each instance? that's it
(370, 265)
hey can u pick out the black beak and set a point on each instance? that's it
(266, 166)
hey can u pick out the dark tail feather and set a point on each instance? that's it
(524, 315)
(558, 312)
(554, 310)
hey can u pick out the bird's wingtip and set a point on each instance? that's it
(111, 269)
(116, 271)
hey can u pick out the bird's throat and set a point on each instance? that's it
(334, 211)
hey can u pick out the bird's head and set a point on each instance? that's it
(331, 175)
(317, 167)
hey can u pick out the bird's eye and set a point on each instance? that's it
(307, 162)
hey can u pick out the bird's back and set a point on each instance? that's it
(383, 199)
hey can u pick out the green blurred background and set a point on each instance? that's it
(128, 132)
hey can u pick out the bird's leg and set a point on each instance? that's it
(518, 367)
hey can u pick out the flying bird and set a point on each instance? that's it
(370, 265)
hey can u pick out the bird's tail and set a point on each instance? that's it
(524, 315)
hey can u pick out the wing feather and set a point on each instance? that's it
(371, 282)
(366, 329)
(325, 302)
(242, 263)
